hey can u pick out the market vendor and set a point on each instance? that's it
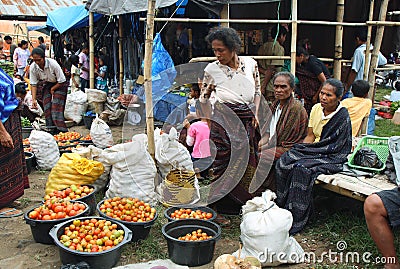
(49, 85)
(13, 171)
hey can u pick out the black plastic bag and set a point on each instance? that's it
(368, 158)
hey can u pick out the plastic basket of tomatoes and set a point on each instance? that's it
(137, 215)
(178, 213)
(52, 212)
(67, 136)
(94, 240)
(191, 242)
(75, 192)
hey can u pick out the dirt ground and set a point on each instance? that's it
(19, 251)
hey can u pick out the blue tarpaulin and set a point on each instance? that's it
(67, 18)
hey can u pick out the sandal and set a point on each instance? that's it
(8, 212)
(222, 221)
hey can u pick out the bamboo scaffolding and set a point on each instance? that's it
(147, 76)
(91, 50)
(337, 65)
(375, 51)
(120, 55)
(368, 45)
(294, 38)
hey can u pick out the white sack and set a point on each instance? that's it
(75, 106)
(101, 133)
(97, 96)
(45, 148)
(265, 232)
(133, 170)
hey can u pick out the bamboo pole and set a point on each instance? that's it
(120, 56)
(262, 21)
(91, 51)
(225, 15)
(190, 33)
(294, 38)
(368, 45)
(147, 76)
(375, 51)
(337, 64)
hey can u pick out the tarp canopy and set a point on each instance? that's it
(67, 18)
(119, 7)
(39, 28)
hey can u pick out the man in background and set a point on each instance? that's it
(9, 48)
(84, 66)
(42, 45)
(267, 68)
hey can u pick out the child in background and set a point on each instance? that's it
(75, 73)
(26, 97)
(358, 106)
(194, 95)
(101, 79)
(198, 136)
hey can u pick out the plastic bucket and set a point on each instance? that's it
(29, 159)
(26, 132)
(41, 228)
(169, 211)
(191, 253)
(90, 199)
(140, 230)
(99, 260)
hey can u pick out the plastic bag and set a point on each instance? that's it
(394, 149)
(101, 133)
(70, 169)
(265, 232)
(45, 148)
(367, 157)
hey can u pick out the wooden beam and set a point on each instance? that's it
(147, 76)
(341, 191)
(337, 64)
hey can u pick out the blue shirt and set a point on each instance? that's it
(8, 100)
(359, 61)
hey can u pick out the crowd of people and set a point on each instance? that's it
(245, 126)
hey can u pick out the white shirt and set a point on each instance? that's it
(274, 121)
(52, 72)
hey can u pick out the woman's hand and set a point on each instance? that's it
(34, 104)
(255, 122)
(6, 140)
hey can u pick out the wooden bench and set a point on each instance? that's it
(354, 187)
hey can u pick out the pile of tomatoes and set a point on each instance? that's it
(67, 136)
(56, 209)
(86, 138)
(188, 213)
(128, 209)
(91, 235)
(197, 235)
(73, 192)
(26, 142)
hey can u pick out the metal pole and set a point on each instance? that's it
(368, 45)
(337, 64)
(294, 38)
(147, 76)
(91, 51)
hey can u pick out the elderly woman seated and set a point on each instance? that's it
(286, 126)
(324, 151)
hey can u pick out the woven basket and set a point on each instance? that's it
(179, 187)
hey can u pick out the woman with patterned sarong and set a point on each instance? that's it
(47, 77)
(286, 127)
(324, 151)
(13, 171)
(233, 83)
